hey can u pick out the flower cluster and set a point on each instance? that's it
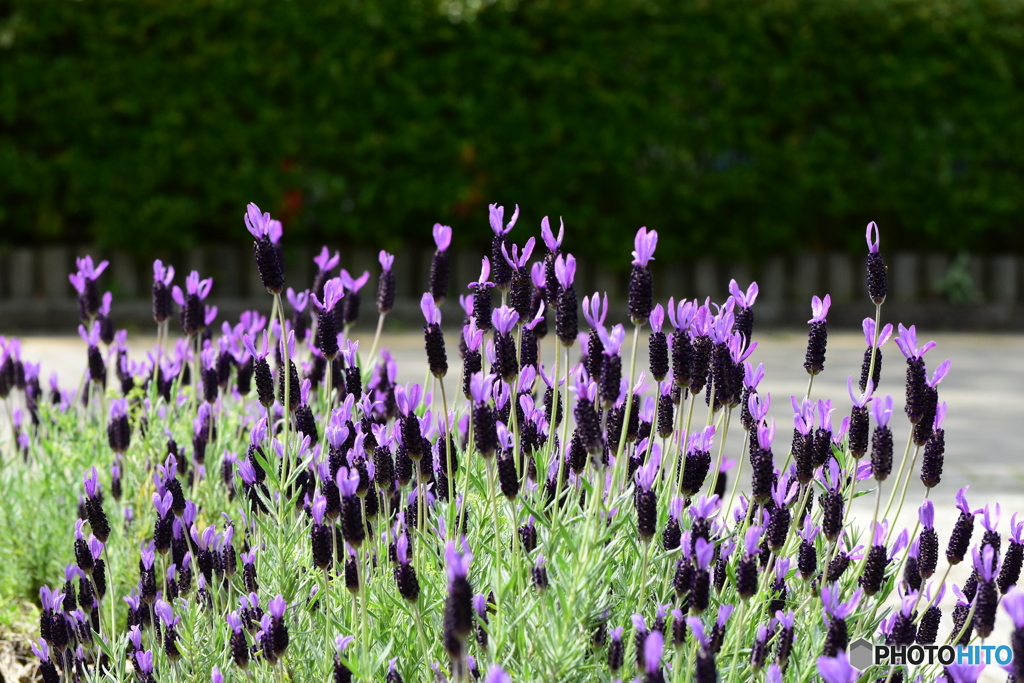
(270, 502)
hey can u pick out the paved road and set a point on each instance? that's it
(984, 390)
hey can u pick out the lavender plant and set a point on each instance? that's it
(336, 525)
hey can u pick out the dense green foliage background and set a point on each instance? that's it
(736, 126)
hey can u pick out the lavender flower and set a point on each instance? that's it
(84, 282)
(837, 669)
(566, 320)
(326, 321)
(960, 538)
(433, 337)
(268, 257)
(876, 270)
(386, 283)
(881, 440)
(1013, 603)
(744, 320)
(502, 271)
(814, 361)
(440, 267)
(641, 283)
(192, 314)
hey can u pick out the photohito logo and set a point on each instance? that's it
(863, 654)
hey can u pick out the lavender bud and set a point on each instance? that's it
(876, 374)
(874, 570)
(933, 458)
(928, 629)
(876, 278)
(567, 317)
(437, 360)
(881, 452)
(858, 432)
(927, 553)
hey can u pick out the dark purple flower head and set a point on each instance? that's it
(743, 299)
(431, 312)
(442, 236)
(550, 241)
(457, 563)
(277, 606)
(837, 669)
(1013, 603)
(644, 244)
(565, 270)
(985, 562)
(704, 552)
(504, 318)
(325, 262)
(873, 240)
(497, 217)
(613, 340)
(517, 259)
(907, 343)
(882, 409)
(91, 482)
(819, 308)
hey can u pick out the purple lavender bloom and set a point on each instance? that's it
(907, 343)
(91, 482)
(162, 503)
(145, 661)
(965, 673)
(456, 563)
(87, 272)
(882, 409)
(644, 244)
(519, 260)
(565, 270)
(216, 676)
(431, 312)
(1013, 603)
(277, 607)
(648, 472)
(613, 340)
(985, 562)
(654, 646)
(837, 669)
(495, 674)
(743, 299)
(504, 319)
(819, 308)
(347, 480)
(704, 552)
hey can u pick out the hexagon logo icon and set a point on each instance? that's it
(861, 654)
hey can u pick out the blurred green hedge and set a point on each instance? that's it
(732, 126)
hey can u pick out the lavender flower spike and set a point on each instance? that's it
(495, 674)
